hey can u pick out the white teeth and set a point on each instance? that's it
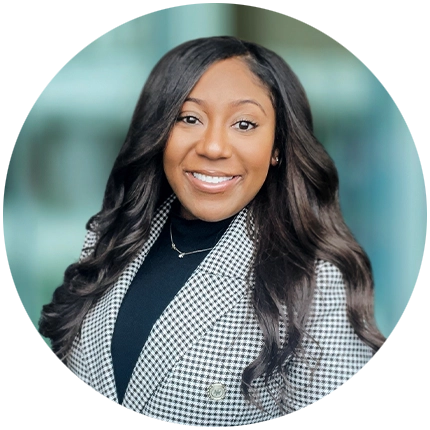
(212, 179)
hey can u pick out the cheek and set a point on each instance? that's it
(169, 166)
(258, 160)
(166, 164)
(176, 150)
(171, 157)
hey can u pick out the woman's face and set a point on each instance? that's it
(221, 147)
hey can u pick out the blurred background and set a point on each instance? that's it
(70, 139)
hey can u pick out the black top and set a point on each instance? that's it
(156, 283)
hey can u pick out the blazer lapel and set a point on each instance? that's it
(212, 290)
(98, 326)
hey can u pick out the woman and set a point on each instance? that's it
(219, 284)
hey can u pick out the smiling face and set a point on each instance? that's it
(221, 147)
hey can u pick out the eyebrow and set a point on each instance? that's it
(234, 103)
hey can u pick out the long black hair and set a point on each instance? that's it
(294, 219)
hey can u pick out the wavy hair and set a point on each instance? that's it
(294, 219)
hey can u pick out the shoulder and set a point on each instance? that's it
(330, 291)
(90, 238)
(89, 243)
(330, 310)
(326, 272)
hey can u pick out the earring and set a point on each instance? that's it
(277, 159)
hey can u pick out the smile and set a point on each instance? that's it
(213, 183)
(212, 179)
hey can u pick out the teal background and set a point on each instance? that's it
(69, 141)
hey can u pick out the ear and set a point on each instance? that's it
(275, 157)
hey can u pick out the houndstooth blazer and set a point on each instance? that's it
(189, 370)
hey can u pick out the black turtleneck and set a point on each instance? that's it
(156, 283)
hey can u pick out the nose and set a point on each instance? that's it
(214, 143)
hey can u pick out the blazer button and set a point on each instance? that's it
(216, 391)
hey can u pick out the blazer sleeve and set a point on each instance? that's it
(332, 353)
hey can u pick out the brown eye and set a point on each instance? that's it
(245, 125)
(188, 119)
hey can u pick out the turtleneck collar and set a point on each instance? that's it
(189, 235)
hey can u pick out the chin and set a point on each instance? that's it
(213, 217)
(210, 214)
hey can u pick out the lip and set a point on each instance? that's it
(210, 188)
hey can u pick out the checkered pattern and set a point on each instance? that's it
(338, 353)
(208, 334)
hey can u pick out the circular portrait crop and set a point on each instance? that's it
(215, 229)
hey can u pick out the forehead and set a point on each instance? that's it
(231, 77)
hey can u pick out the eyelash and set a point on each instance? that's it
(183, 117)
(246, 121)
(249, 123)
